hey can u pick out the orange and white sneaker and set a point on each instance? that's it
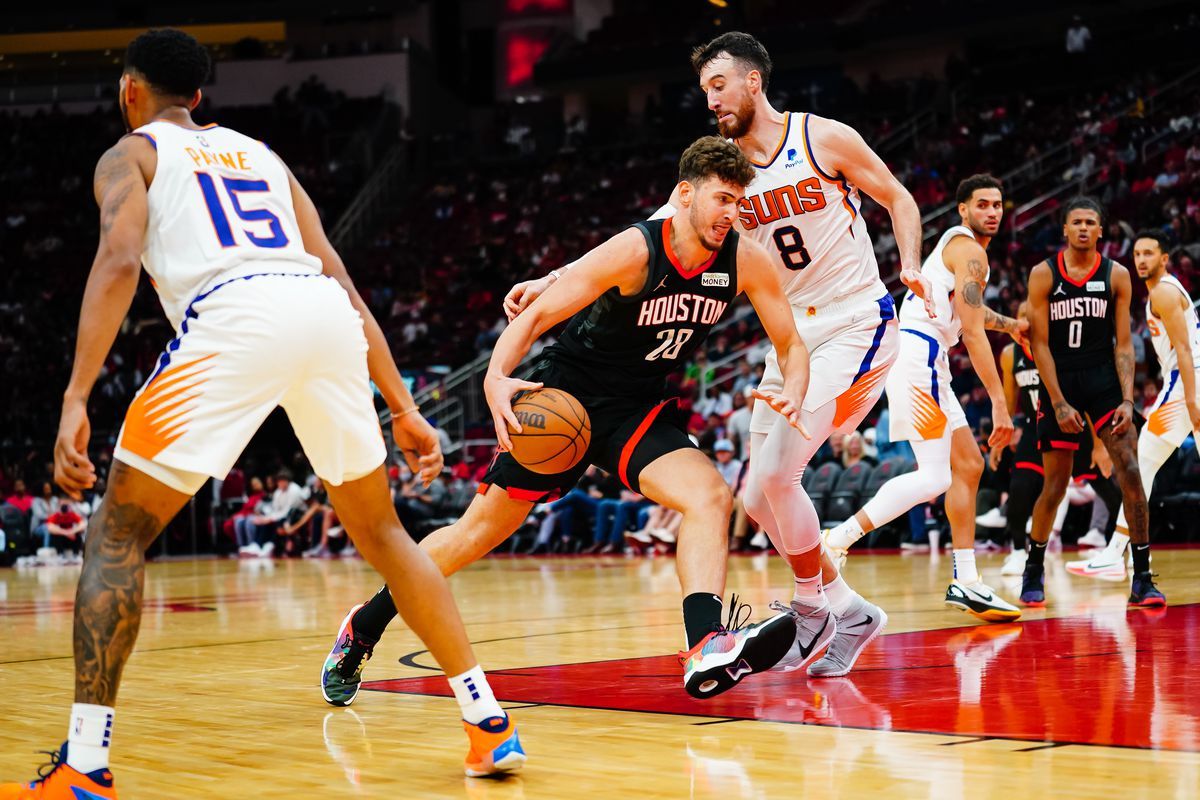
(58, 781)
(495, 748)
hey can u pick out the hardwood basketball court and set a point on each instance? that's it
(221, 697)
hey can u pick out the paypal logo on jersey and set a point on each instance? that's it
(793, 160)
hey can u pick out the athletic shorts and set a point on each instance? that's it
(1027, 456)
(1169, 419)
(628, 433)
(245, 347)
(921, 403)
(1094, 392)
(850, 345)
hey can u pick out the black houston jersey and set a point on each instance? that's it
(621, 346)
(1028, 382)
(1081, 317)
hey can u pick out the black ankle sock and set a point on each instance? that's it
(1037, 554)
(1141, 557)
(371, 620)
(701, 614)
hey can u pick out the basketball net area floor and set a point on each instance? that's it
(221, 698)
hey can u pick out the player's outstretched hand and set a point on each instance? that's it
(520, 296)
(419, 443)
(1122, 418)
(73, 470)
(784, 406)
(1020, 333)
(919, 285)
(1068, 419)
(1002, 428)
(499, 391)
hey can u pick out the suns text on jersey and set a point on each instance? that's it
(776, 204)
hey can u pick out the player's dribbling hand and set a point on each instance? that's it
(1122, 418)
(1002, 430)
(919, 285)
(73, 470)
(782, 405)
(1020, 333)
(1068, 418)
(419, 443)
(520, 296)
(499, 391)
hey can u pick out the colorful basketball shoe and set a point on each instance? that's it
(341, 676)
(981, 601)
(1144, 594)
(495, 748)
(57, 781)
(1033, 586)
(724, 657)
(1107, 565)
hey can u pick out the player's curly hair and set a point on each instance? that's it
(1082, 202)
(741, 47)
(713, 157)
(173, 62)
(968, 186)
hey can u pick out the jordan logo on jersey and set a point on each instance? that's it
(670, 308)
(1076, 307)
(786, 201)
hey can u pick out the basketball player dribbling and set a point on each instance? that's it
(241, 264)
(803, 207)
(924, 409)
(1175, 335)
(639, 306)
(1082, 344)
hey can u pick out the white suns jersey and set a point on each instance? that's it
(947, 327)
(810, 221)
(219, 208)
(1168, 360)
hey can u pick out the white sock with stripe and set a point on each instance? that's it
(89, 736)
(475, 696)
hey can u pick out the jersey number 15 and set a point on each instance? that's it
(220, 221)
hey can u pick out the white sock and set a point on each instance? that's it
(810, 592)
(964, 566)
(847, 533)
(475, 696)
(840, 596)
(88, 737)
(1118, 542)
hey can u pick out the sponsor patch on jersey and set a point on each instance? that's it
(1095, 286)
(714, 279)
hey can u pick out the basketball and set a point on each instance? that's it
(555, 431)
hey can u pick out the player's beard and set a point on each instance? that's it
(702, 229)
(743, 117)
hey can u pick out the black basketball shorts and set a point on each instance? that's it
(1094, 392)
(1028, 456)
(628, 433)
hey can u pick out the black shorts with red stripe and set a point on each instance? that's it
(628, 433)
(1028, 456)
(1094, 392)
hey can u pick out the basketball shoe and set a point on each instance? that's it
(720, 660)
(1014, 563)
(1033, 586)
(981, 601)
(815, 629)
(495, 748)
(341, 676)
(856, 629)
(1107, 565)
(1144, 594)
(837, 548)
(58, 781)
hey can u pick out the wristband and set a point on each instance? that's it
(412, 410)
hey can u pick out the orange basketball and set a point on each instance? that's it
(555, 433)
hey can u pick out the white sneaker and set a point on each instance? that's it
(837, 553)
(267, 550)
(1092, 538)
(856, 629)
(251, 549)
(992, 519)
(1107, 566)
(760, 540)
(316, 552)
(980, 600)
(662, 535)
(1014, 563)
(815, 629)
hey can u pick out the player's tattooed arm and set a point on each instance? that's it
(1124, 359)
